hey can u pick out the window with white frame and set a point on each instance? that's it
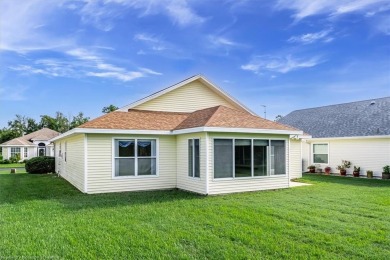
(15, 151)
(25, 152)
(193, 158)
(320, 153)
(135, 157)
(235, 158)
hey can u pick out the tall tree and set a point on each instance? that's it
(78, 120)
(109, 109)
(22, 125)
(7, 134)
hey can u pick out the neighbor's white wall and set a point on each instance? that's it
(367, 153)
(72, 169)
(184, 181)
(188, 98)
(99, 174)
(220, 186)
(295, 159)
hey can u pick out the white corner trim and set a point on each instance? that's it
(207, 163)
(182, 83)
(85, 163)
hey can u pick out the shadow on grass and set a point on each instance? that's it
(331, 179)
(22, 188)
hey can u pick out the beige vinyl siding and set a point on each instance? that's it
(72, 169)
(366, 153)
(100, 168)
(188, 98)
(295, 159)
(184, 181)
(221, 186)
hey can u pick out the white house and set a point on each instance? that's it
(32, 145)
(192, 136)
(358, 132)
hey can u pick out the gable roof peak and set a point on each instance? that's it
(182, 83)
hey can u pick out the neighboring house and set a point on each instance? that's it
(192, 136)
(32, 145)
(358, 132)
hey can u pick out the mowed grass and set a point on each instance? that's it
(12, 165)
(42, 216)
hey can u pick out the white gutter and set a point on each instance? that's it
(349, 138)
(174, 132)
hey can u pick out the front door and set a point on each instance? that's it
(41, 151)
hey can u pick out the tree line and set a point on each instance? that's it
(23, 125)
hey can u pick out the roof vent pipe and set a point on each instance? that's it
(372, 102)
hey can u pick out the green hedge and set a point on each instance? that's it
(42, 164)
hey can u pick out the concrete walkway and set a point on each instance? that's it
(298, 184)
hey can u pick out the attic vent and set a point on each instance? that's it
(372, 102)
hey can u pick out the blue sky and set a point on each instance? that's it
(82, 55)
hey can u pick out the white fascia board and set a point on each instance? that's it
(185, 82)
(18, 145)
(349, 138)
(236, 130)
(109, 131)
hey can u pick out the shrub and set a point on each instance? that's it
(42, 164)
(6, 161)
(1, 157)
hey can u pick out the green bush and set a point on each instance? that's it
(42, 164)
(1, 157)
(6, 161)
(15, 158)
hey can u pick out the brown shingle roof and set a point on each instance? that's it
(43, 134)
(222, 116)
(137, 120)
(219, 116)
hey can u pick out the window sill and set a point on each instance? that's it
(134, 177)
(250, 178)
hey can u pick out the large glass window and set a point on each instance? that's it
(260, 157)
(15, 152)
(252, 157)
(320, 153)
(278, 157)
(243, 158)
(193, 158)
(135, 157)
(223, 158)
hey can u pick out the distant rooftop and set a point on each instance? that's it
(362, 118)
(43, 134)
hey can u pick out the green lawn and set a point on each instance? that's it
(42, 216)
(12, 165)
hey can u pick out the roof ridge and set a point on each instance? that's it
(358, 101)
(155, 111)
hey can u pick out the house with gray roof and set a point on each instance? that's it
(31, 145)
(357, 131)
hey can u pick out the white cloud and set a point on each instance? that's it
(23, 25)
(101, 13)
(153, 42)
(308, 38)
(126, 76)
(383, 25)
(304, 8)
(222, 41)
(86, 64)
(281, 64)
